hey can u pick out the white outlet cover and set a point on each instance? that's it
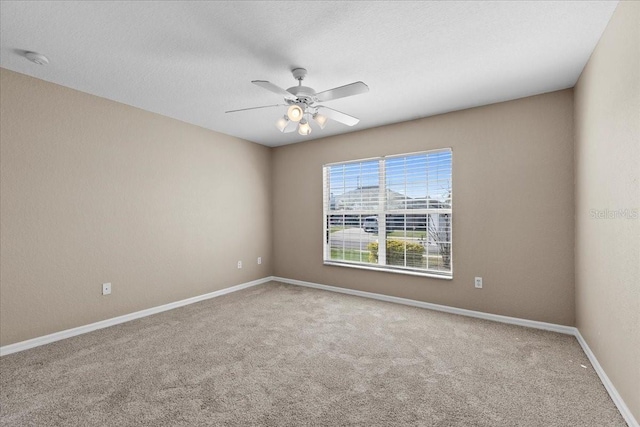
(478, 282)
(106, 288)
(239, 264)
(259, 260)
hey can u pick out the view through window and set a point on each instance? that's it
(392, 212)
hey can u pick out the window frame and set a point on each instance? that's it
(382, 225)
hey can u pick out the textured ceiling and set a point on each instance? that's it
(194, 60)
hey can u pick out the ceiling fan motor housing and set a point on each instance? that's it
(303, 93)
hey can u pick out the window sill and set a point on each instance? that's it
(388, 270)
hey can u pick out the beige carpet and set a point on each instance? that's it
(285, 355)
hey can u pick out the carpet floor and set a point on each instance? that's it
(282, 355)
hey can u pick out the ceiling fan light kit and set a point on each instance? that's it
(295, 113)
(303, 104)
(304, 128)
(282, 123)
(320, 120)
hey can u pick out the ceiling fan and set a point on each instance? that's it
(303, 104)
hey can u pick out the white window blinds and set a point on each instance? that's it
(393, 213)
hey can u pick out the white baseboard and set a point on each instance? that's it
(615, 396)
(68, 333)
(569, 330)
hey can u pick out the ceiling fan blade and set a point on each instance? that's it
(343, 91)
(255, 108)
(338, 116)
(273, 88)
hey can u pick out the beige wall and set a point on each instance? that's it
(513, 207)
(95, 191)
(607, 121)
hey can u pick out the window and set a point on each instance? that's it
(391, 213)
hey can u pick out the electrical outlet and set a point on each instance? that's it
(478, 282)
(259, 260)
(239, 264)
(106, 288)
